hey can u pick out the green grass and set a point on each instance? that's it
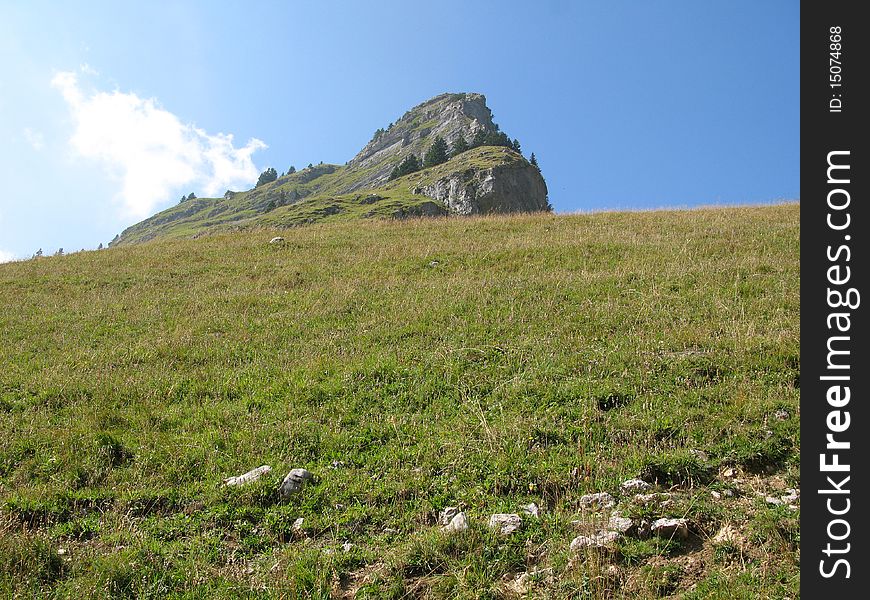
(410, 365)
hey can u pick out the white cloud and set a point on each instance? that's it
(6, 256)
(151, 152)
(88, 69)
(34, 138)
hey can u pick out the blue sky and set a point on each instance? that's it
(110, 111)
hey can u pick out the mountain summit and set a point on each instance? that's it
(445, 156)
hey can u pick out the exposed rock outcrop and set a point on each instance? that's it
(502, 189)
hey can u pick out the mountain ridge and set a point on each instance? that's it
(481, 180)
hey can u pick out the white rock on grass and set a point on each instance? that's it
(532, 509)
(598, 501)
(249, 477)
(670, 528)
(446, 515)
(602, 539)
(294, 481)
(644, 499)
(634, 485)
(619, 524)
(276, 240)
(506, 523)
(458, 523)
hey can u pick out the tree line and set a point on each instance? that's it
(439, 153)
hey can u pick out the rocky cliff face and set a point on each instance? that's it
(500, 189)
(447, 116)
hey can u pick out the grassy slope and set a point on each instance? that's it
(322, 199)
(410, 366)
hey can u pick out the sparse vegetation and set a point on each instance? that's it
(410, 164)
(480, 362)
(267, 176)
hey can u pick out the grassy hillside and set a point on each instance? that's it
(484, 363)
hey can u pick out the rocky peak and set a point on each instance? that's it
(446, 115)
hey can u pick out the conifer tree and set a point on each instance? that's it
(479, 139)
(267, 176)
(459, 146)
(406, 167)
(436, 154)
(534, 162)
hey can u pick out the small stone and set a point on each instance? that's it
(61, 551)
(520, 584)
(347, 547)
(619, 524)
(781, 415)
(532, 509)
(716, 495)
(634, 485)
(506, 523)
(728, 534)
(249, 477)
(446, 515)
(671, 528)
(645, 499)
(297, 524)
(602, 539)
(276, 240)
(598, 501)
(458, 523)
(294, 481)
(729, 472)
(791, 495)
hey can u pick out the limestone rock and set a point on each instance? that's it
(276, 240)
(446, 515)
(532, 509)
(501, 189)
(458, 523)
(294, 481)
(670, 528)
(652, 498)
(619, 524)
(602, 539)
(598, 501)
(634, 486)
(506, 523)
(249, 477)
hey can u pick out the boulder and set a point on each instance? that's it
(458, 523)
(634, 486)
(294, 481)
(602, 539)
(595, 502)
(670, 528)
(505, 523)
